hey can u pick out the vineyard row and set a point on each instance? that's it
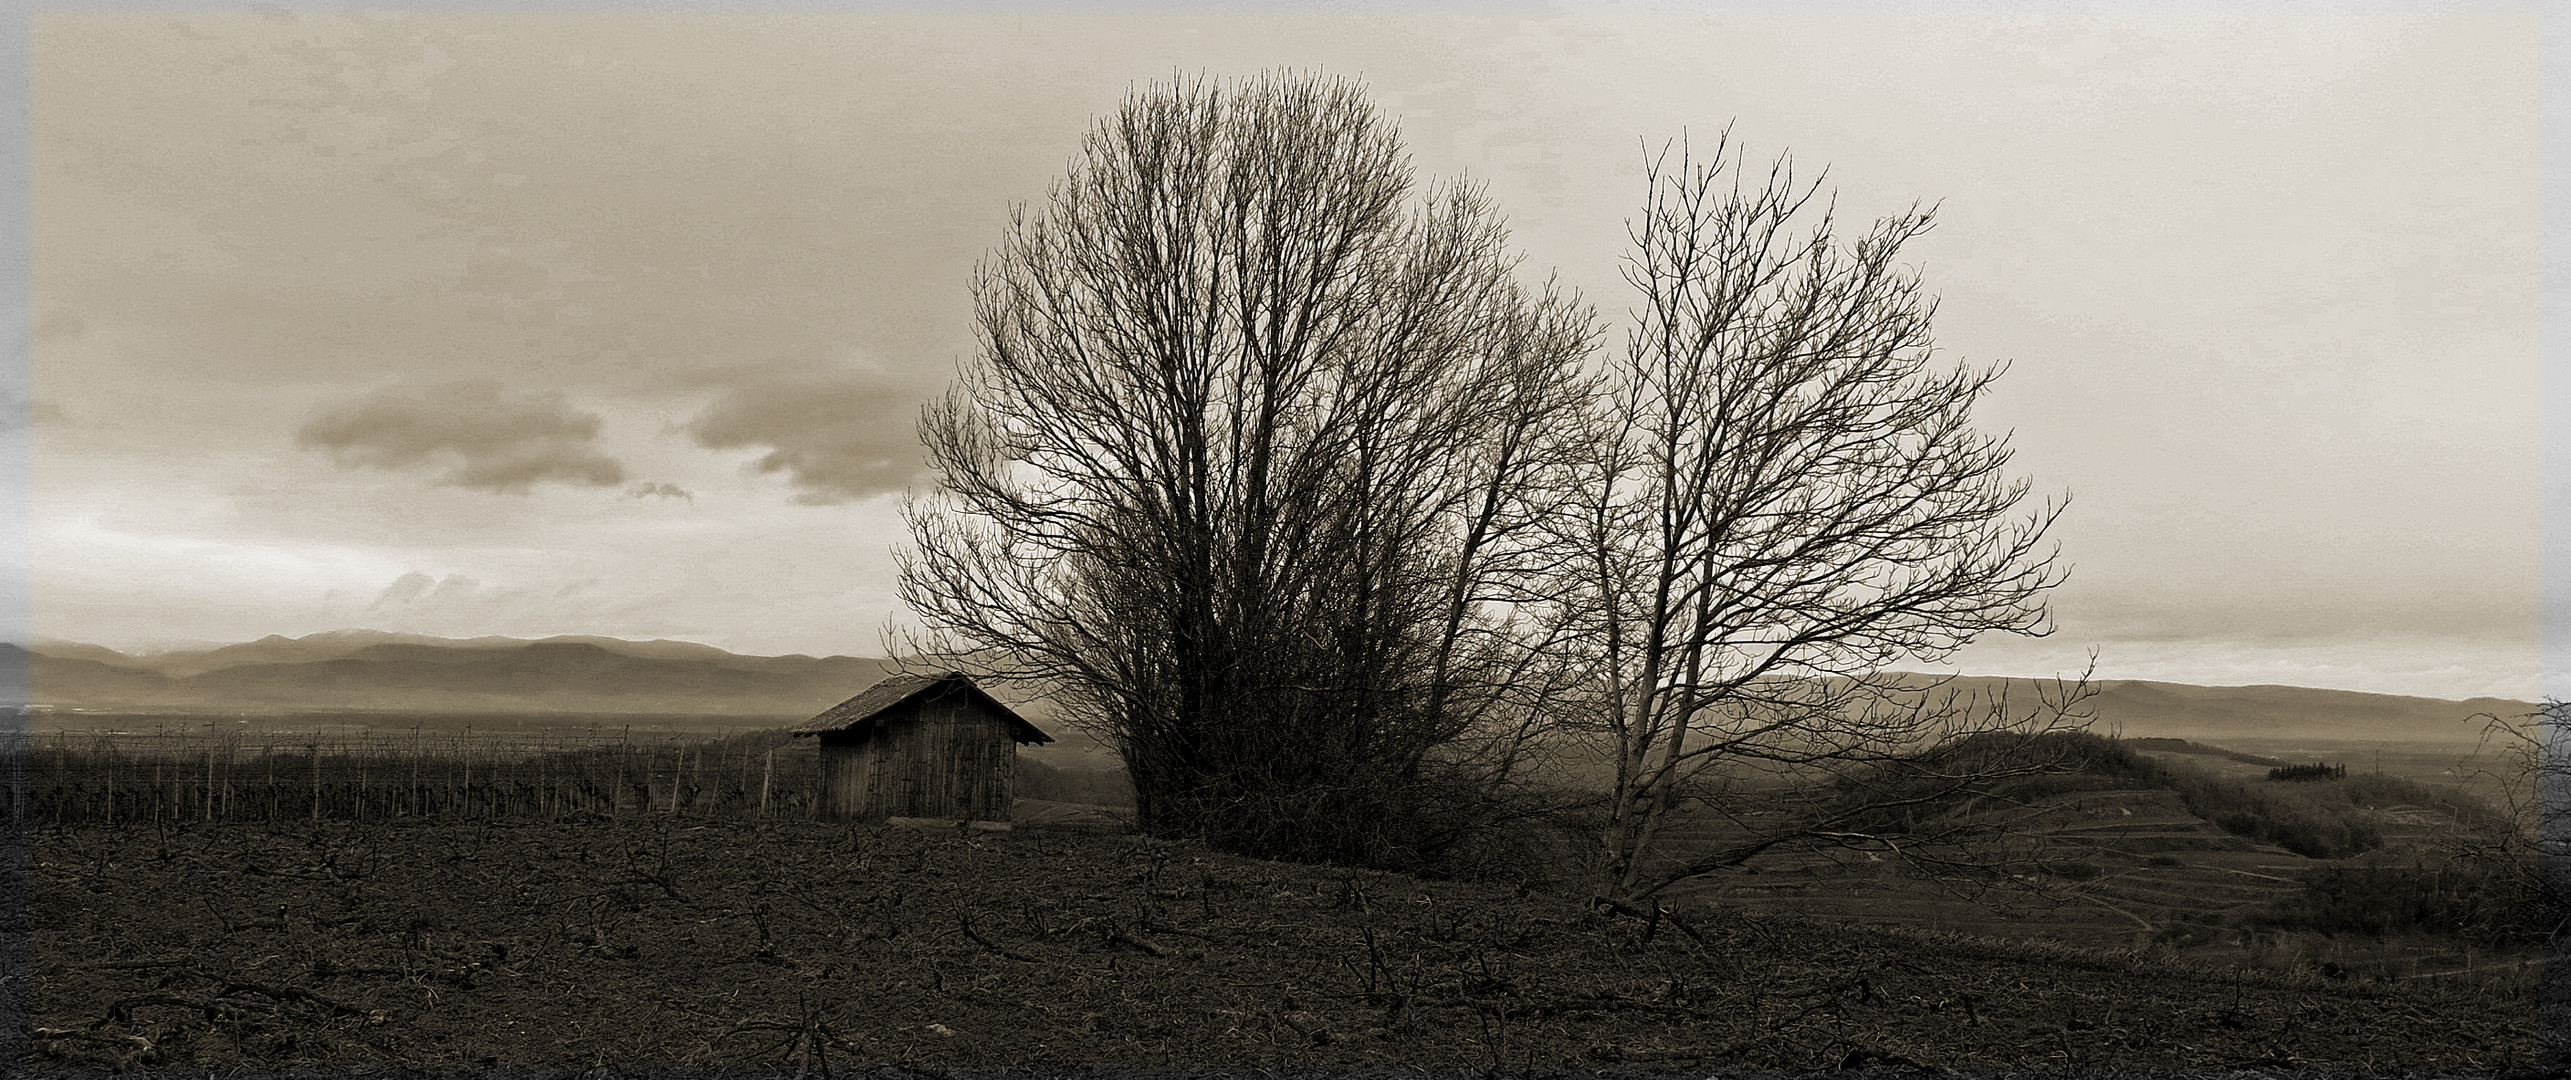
(65, 782)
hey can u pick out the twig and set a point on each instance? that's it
(102, 965)
(965, 917)
(136, 1046)
(1117, 935)
(121, 1011)
(1652, 917)
(293, 993)
(87, 1035)
(1150, 925)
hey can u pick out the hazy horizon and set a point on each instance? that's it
(615, 323)
(177, 648)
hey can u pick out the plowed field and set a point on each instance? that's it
(673, 945)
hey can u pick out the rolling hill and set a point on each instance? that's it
(2183, 711)
(2145, 708)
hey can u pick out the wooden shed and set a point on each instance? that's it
(920, 746)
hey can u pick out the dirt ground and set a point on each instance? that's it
(677, 946)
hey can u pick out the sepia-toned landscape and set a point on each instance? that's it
(233, 874)
(1464, 541)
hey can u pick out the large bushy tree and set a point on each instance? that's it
(1258, 446)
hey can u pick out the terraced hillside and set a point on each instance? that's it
(2115, 866)
(2118, 867)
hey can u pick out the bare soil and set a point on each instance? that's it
(673, 945)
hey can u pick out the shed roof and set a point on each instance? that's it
(875, 700)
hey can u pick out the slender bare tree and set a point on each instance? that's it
(1786, 499)
(2531, 855)
(1253, 452)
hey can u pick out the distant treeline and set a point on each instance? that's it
(2314, 771)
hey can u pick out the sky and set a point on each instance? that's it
(618, 322)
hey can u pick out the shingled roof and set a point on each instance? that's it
(875, 700)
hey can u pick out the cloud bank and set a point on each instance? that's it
(838, 433)
(468, 432)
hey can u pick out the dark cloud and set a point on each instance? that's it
(469, 430)
(838, 434)
(406, 590)
(659, 490)
(460, 605)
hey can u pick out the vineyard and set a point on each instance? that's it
(79, 779)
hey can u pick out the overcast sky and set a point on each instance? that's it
(618, 323)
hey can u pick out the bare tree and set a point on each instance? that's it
(1253, 452)
(1786, 498)
(2530, 859)
(2530, 855)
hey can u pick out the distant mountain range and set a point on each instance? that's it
(371, 670)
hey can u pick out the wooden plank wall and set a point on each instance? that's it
(930, 759)
(849, 772)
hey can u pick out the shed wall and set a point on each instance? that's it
(850, 766)
(946, 758)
